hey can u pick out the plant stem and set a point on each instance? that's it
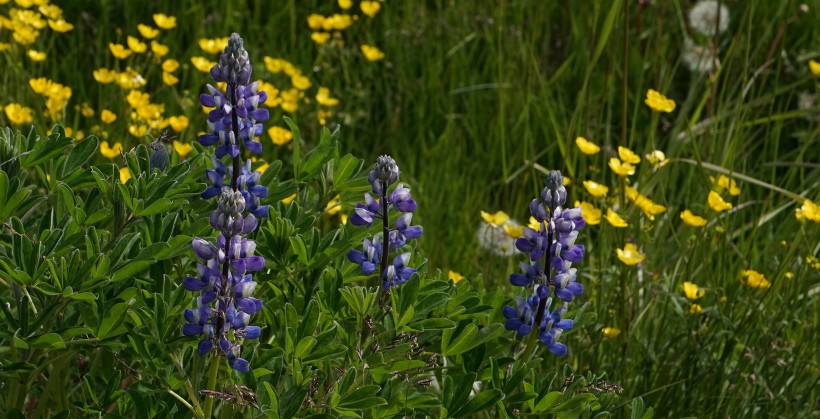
(213, 372)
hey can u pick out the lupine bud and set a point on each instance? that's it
(158, 159)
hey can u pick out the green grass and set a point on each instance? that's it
(470, 94)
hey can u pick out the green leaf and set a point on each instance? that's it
(362, 398)
(433, 324)
(297, 146)
(47, 341)
(130, 269)
(547, 401)
(159, 206)
(324, 352)
(480, 402)
(112, 321)
(80, 154)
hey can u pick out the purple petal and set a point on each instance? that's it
(239, 364)
(190, 329)
(193, 284)
(207, 100)
(204, 346)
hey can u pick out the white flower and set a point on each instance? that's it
(698, 59)
(707, 15)
(495, 239)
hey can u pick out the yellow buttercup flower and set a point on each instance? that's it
(4, 46)
(586, 146)
(454, 276)
(301, 82)
(595, 189)
(513, 231)
(18, 114)
(628, 156)
(170, 65)
(213, 46)
(169, 79)
(279, 135)
(659, 102)
(178, 123)
(315, 21)
(320, 37)
(611, 332)
(814, 66)
(323, 97)
(60, 25)
(202, 64)
(691, 219)
(104, 75)
(25, 35)
(370, 8)
(288, 200)
(159, 49)
(136, 45)
(592, 215)
(337, 22)
(125, 174)
(164, 21)
(371, 53)
(147, 32)
(630, 255)
(36, 55)
(107, 116)
(808, 211)
(108, 151)
(333, 206)
(657, 158)
(621, 168)
(614, 219)
(183, 149)
(119, 50)
(137, 130)
(717, 203)
(649, 208)
(497, 219)
(692, 291)
(50, 11)
(754, 279)
(345, 4)
(695, 309)
(86, 111)
(535, 224)
(725, 183)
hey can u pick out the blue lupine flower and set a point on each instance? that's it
(398, 273)
(366, 212)
(369, 257)
(554, 243)
(225, 278)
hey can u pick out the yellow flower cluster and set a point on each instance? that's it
(754, 279)
(658, 102)
(25, 24)
(213, 46)
(56, 95)
(722, 184)
(808, 211)
(322, 26)
(18, 114)
(649, 208)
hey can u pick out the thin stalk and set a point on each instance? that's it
(213, 372)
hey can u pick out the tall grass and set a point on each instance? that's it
(473, 97)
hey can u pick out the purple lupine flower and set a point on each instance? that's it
(376, 251)
(554, 244)
(225, 278)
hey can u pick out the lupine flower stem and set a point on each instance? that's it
(385, 235)
(213, 372)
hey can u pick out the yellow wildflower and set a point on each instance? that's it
(586, 146)
(288, 200)
(657, 158)
(169, 79)
(136, 45)
(333, 206)
(25, 35)
(452, 275)
(4, 46)
(717, 203)
(36, 55)
(322, 116)
(611, 332)
(104, 75)
(18, 114)
(754, 279)
(370, 8)
(621, 168)
(170, 65)
(86, 111)
(165, 22)
(514, 231)
(614, 219)
(119, 50)
(183, 149)
(814, 66)
(279, 135)
(301, 82)
(695, 309)
(659, 102)
(178, 123)
(649, 208)
(108, 151)
(159, 49)
(320, 37)
(323, 97)
(809, 211)
(202, 64)
(50, 11)
(692, 291)
(137, 130)
(60, 25)
(337, 22)
(595, 189)
(495, 220)
(107, 116)
(125, 174)
(147, 32)
(213, 46)
(315, 21)
(725, 183)
(630, 255)
(592, 215)
(628, 156)
(371, 53)
(691, 219)
(535, 224)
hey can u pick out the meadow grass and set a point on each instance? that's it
(472, 98)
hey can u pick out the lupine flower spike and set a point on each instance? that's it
(548, 275)
(222, 315)
(374, 253)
